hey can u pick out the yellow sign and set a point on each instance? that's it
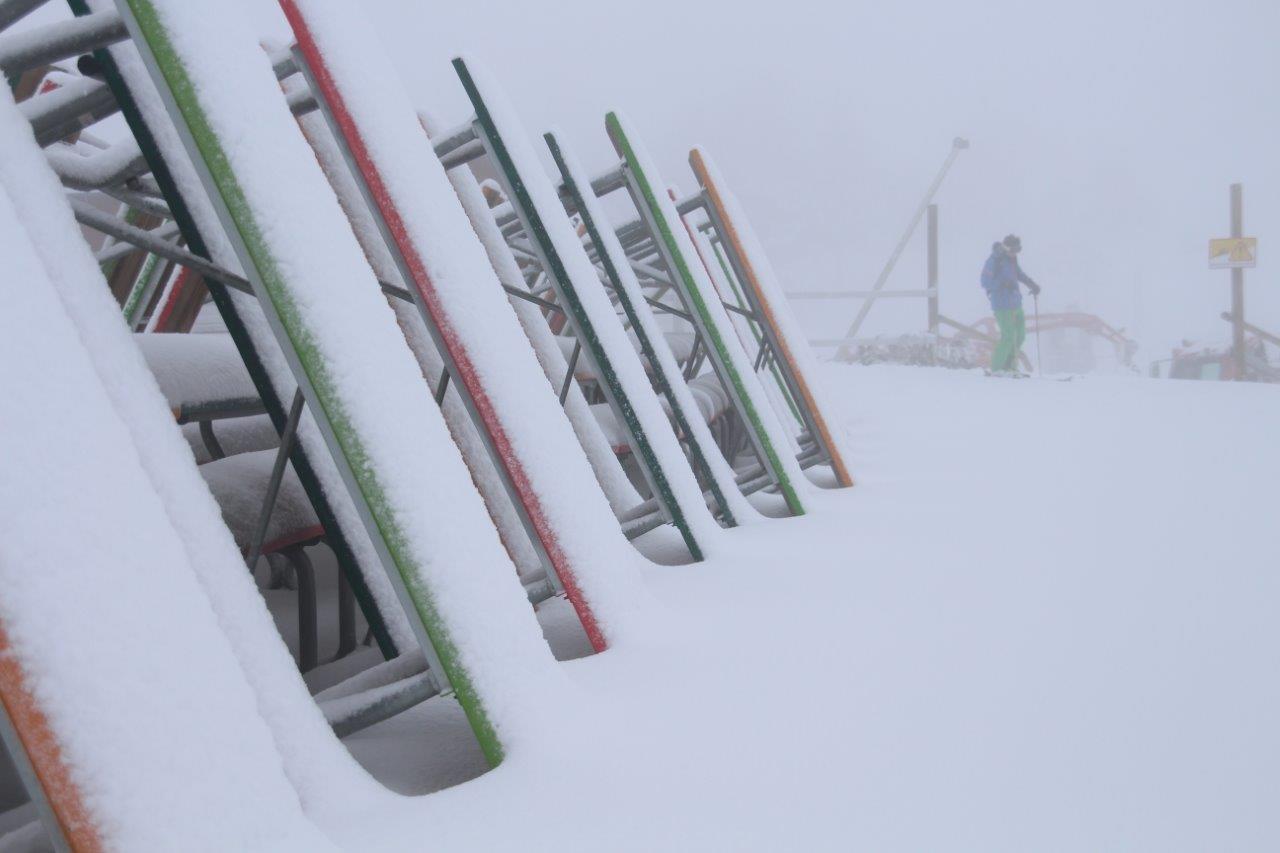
(1233, 253)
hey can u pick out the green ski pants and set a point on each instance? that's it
(1013, 331)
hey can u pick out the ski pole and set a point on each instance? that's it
(1035, 299)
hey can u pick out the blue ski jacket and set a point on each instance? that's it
(1000, 277)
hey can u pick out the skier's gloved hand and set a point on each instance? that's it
(1034, 288)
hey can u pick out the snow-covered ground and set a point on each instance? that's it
(1044, 620)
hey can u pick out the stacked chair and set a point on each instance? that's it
(475, 395)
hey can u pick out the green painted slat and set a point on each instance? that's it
(716, 335)
(223, 301)
(646, 345)
(586, 329)
(278, 288)
(131, 303)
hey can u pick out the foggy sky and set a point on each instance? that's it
(1104, 133)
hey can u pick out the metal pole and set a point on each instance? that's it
(62, 112)
(957, 145)
(1255, 331)
(15, 10)
(443, 386)
(933, 269)
(277, 476)
(1237, 285)
(568, 374)
(249, 345)
(63, 40)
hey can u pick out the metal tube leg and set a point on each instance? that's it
(308, 639)
(281, 574)
(346, 618)
(211, 441)
(277, 476)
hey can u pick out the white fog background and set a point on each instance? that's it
(1104, 133)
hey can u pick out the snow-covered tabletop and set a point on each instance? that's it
(239, 484)
(199, 372)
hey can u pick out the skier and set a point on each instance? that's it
(1000, 278)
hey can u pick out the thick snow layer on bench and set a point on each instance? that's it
(613, 480)
(316, 763)
(473, 311)
(720, 469)
(379, 675)
(239, 485)
(712, 400)
(708, 399)
(363, 373)
(680, 343)
(281, 377)
(613, 431)
(151, 712)
(595, 302)
(234, 436)
(464, 433)
(83, 170)
(196, 370)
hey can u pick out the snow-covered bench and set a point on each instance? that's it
(681, 344)
(708, 393)
(240, 485)
(204, 380)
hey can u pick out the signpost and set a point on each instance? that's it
(1228, 253)
(1236, 253)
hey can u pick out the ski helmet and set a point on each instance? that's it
(1012, 243)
